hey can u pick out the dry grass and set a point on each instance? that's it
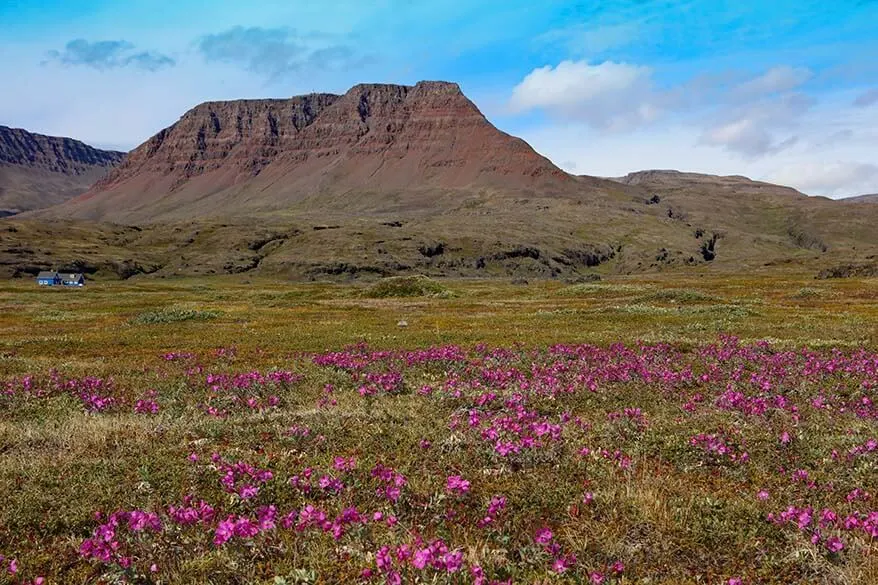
(672, 519)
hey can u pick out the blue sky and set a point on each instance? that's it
(782, 91)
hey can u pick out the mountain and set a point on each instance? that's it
(375, 146)
(39, 171)
(672, 180)
(390, 179)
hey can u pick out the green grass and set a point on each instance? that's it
(679, 295)
(314, 317)
(584, 289)
(807, 292)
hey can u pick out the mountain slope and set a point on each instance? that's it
(873, 198)
(39, 171)
(735, 205)
(377, 146)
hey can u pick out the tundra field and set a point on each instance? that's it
(667, 429)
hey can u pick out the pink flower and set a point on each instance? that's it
(543, 536)
(834, 544)
(735, 581)
(561, 564)
(762, 495)
(246, 528)
(478, 575)
(597, 578)
(453, 561)
(248, 491)
(225, 530)
(421, 558)
(146, 407)
(344, 464)
(383, 559)
(455, 484)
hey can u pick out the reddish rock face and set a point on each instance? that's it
(240, 136)
(374, 137)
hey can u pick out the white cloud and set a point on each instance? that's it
(588, 39)
(838, 178)
(608, 95)
(776, 80)
(867, 99)
(831, 130)
(573, 83)
(741, 114)
(132, 106)
(838, 137)
(759, 128)
(747, 137)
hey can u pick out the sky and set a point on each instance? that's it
(783, 91)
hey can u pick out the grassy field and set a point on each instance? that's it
(664, 429)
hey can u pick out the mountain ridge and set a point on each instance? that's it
(38, 171)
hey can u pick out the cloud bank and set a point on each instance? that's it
(276, 52)
(104, 55)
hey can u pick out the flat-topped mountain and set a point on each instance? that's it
(375, 146)
(38, 171)
(680, 181)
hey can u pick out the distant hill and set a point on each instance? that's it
(677, 180)
(39, 171)
(862, 199)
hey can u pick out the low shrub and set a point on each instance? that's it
(407, 286)
(174, 315)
